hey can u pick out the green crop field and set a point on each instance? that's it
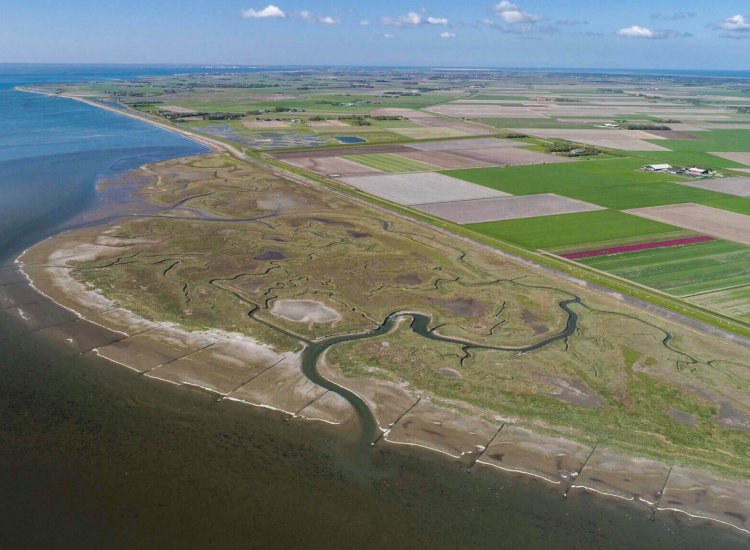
(392, 163)
(715, 140)
(681, 270)
(613, 183)
(733, 302)
(550, 232)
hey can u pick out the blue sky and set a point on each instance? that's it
(678, 34)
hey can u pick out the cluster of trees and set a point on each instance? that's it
(572, 149)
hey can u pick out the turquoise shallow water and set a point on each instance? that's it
(92, 455)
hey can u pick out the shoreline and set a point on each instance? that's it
(221, 146)
(476, 451)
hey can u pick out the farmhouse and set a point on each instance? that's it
(657, 167)
(698, 172)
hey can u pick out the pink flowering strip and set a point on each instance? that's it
(636, 247)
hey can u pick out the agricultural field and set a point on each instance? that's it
(567, 230)
(682, 270)
(459, 144)
(391, 163)
(612, 183)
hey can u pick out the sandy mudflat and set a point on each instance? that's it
(506, 208)
(609, 472)
(702, 219)
(519, 450)
(331, 408)
(702, 495)
(454, 434)
(223, 367)
(283, 387)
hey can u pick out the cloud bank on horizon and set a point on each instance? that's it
(510, 33)
(511, 18)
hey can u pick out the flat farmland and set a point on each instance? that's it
(391, 163)
(445, 160)
(506, 208)
(626, 140)
(738, 186)
(682, 270)
(331, 165)
(421, 188)
(612, 183)
(563, 230)
(734, 302)
(501, 156)
(704, 219)
(455, 145)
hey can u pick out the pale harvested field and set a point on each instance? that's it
(332, 165)
(703, 219)
(446, 160)
(470, 129)
(742, 158)
(739, 186)
(682, 127)
(725, 126)
(626, 140)
(400, 111)
(506, 208)
(265, 124)
(429, 133)
(461, 144)
(484, 111)
(421, 188)
(327, 124)
(339, 151)
(499, 156)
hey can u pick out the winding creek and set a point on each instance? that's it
(420, 324)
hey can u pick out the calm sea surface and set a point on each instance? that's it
(92, 455)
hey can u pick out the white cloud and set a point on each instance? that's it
(315, 18)
(364, 22)
(447, 35)
(388, 35)
(511, 13)
(269, 12)
(736, 23)
(413, 19)
(635, 31)
(437, 21)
